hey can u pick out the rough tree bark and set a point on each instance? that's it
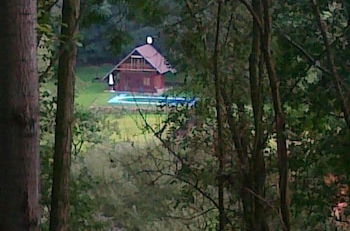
(279, 115)
(19, 111)
(64, 117)
(219, 119)
(341, 87)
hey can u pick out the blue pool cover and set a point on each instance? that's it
(152, 100)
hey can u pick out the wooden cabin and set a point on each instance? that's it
(141, 71)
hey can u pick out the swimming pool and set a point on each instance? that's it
(151, 100)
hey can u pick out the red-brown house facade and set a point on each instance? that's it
(141, 71)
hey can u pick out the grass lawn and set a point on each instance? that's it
(89, 91)
(93, 93)
(132, 128)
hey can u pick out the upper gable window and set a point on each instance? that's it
(137, 62)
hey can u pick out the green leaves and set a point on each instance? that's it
(118, 39)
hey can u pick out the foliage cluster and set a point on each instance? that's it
(217, 166)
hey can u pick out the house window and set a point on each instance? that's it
(146, 81)
(136, 61)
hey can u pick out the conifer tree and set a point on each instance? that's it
(19, 114)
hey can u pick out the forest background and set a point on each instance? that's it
(265, 148)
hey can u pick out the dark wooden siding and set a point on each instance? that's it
(139, 81)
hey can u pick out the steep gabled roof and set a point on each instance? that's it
(151, 55)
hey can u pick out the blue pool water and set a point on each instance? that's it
(151, 100)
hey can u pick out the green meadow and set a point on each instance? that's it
(91, 93)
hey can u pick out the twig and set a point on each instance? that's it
(309, 57)
(158, 136)
(192, 217)
(266, 202)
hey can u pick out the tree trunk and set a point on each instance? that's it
(64, 117)
(279, 116)
(239, 139)
(19, 114)
(219, 119)
(256, 87)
